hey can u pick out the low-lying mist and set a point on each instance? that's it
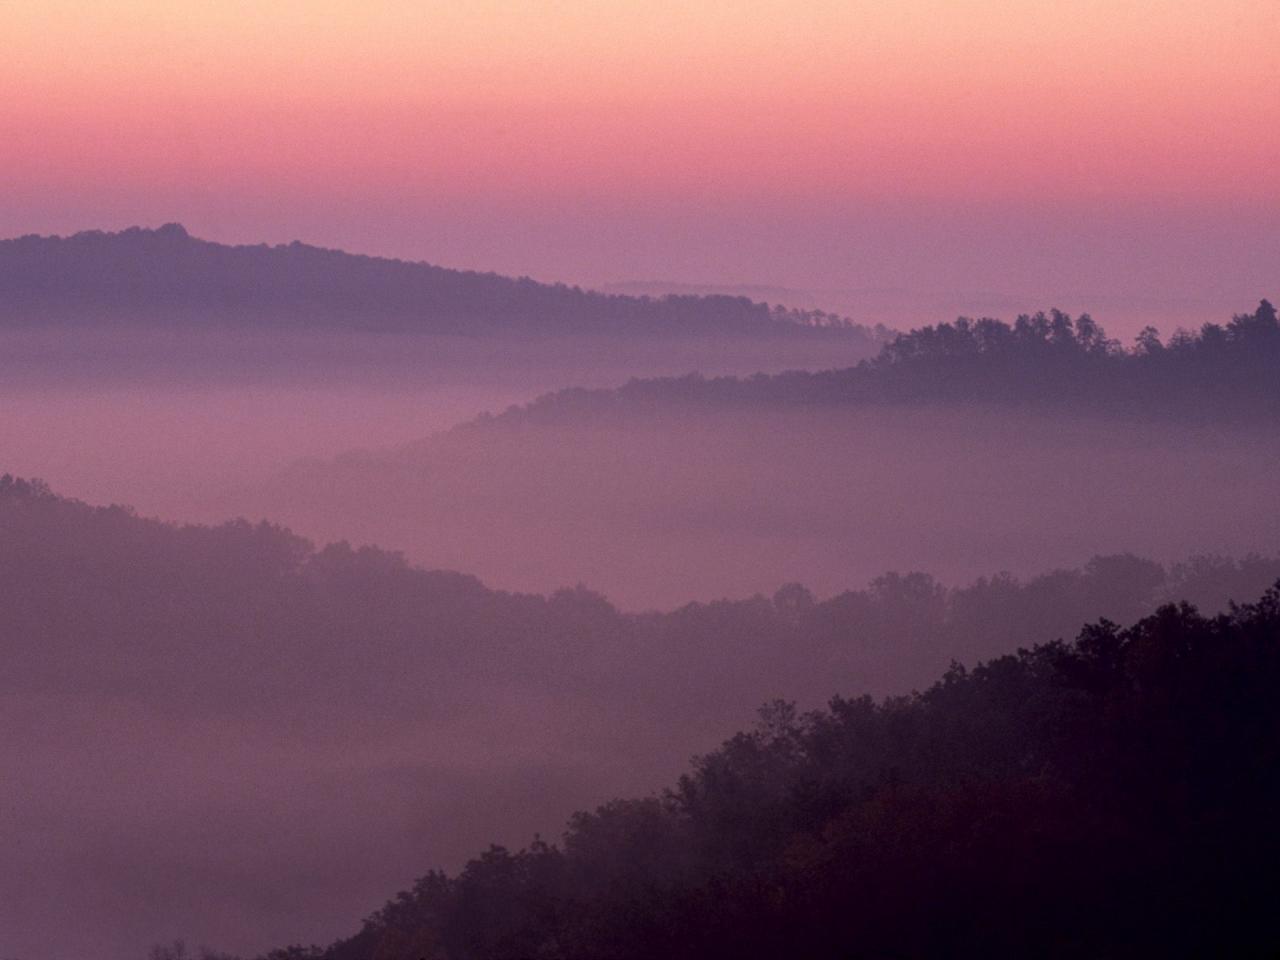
(241, 737)
(230, 736)
(171, 420)
(688, 503)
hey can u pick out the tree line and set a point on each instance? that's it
(166, 276)
(109, 591)
(1107, 796)
(1110, 796)
(1043, 360)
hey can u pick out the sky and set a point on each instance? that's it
(1120, 150)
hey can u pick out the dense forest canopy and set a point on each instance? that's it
(1045, 359)
(166, 276)
(1113, 796)
(404, 698)
(120, 593)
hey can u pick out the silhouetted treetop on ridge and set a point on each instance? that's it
(1109, 797)
(100, 583)
(1113, 796)
(1042, 359)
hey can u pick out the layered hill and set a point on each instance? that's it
(230, 735)
(962, 448)
(1107, 797)
(188, 706)
(1044, 360)
(166, 275)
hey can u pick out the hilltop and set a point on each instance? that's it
(1042, 360)
(165, 275)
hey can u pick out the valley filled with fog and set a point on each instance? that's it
(228, 735)
(170, 422)
(683, 504)
(297, 608)
(756, 480)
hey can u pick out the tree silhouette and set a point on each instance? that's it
(1111, 796)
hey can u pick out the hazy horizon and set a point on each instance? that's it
(1218, 267)
(1045, 152)
(621, 480)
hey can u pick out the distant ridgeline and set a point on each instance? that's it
(1041, 360)
(80, 585)
(167, 276)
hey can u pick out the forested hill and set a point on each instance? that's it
(1041, 360)
(166, 275)
(1109, 797)
(336, 714)
(109, 589)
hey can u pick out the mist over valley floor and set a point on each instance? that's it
(296, 612)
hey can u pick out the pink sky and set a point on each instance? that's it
(1070, 148)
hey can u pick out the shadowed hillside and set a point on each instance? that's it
(961, 449)
(167, 276)
(155, 368)
(1043, 360)
(229, 734)
(1108, 797)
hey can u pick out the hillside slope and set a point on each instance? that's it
(227, 734)
(166, 275)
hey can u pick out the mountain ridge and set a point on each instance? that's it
(167, 274)
(1042, 360)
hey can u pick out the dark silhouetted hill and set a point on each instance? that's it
(187, 703)
(167, 276)
(1041, 360)
(1109, 797)
(81, 582)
